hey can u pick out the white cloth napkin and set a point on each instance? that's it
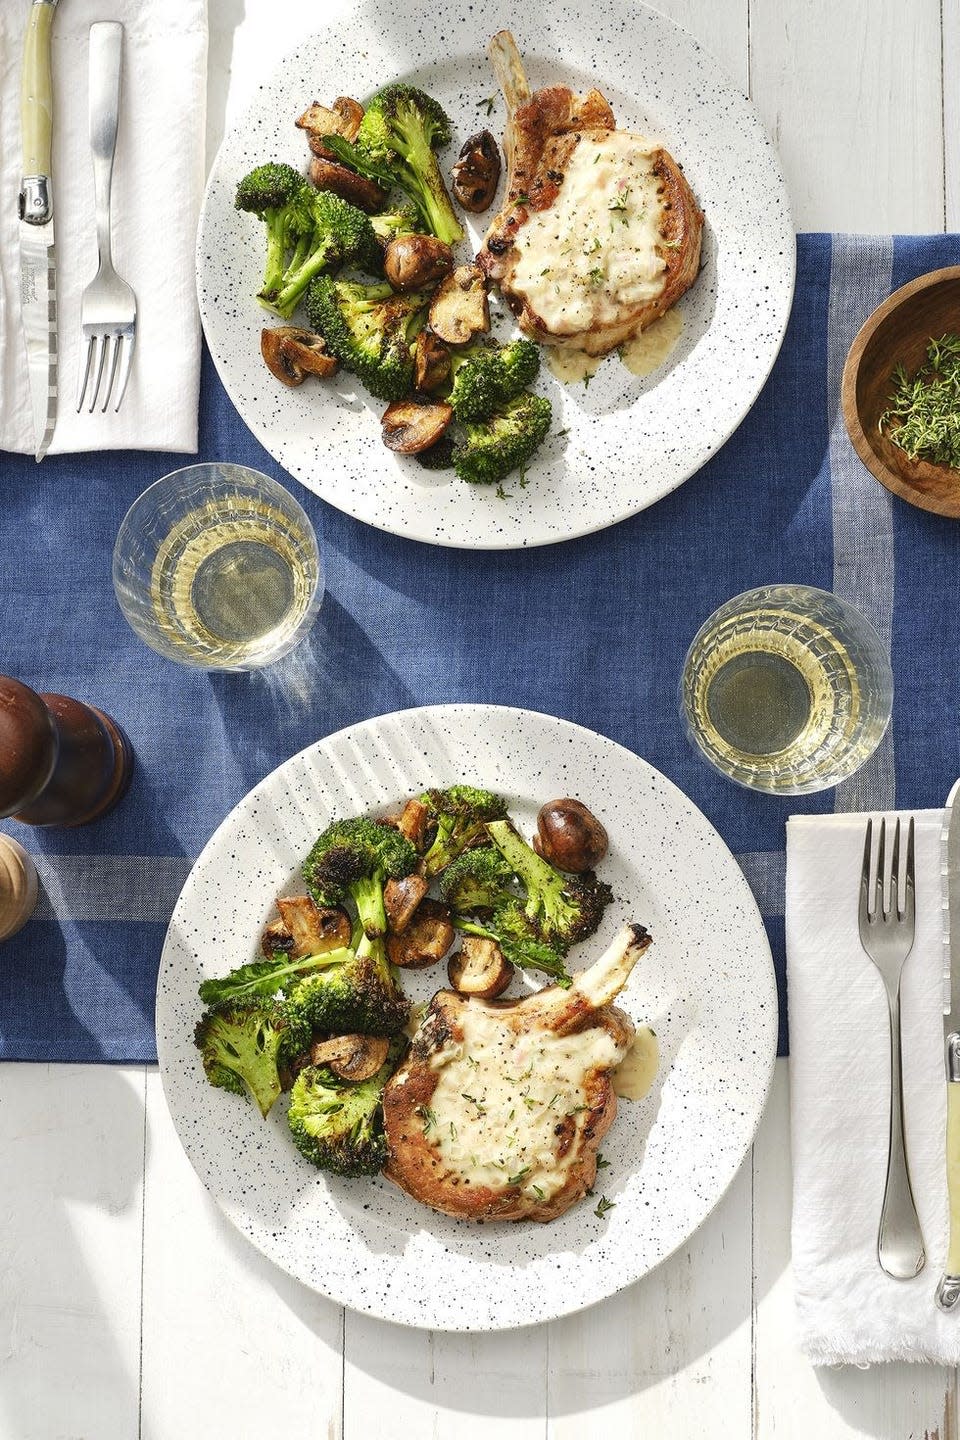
(849, 1310)
(157, 188)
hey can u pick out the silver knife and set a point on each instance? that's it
(38, 275)
(948, 1291)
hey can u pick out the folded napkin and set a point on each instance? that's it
(849, 1310)
(157, 188)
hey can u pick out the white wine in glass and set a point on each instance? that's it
(786, 689)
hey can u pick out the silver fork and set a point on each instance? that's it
(108, 308)
(886, 934)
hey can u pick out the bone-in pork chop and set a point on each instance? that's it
(499, 1108)
(600, 232)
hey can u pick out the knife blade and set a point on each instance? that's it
(948, 1290)
(38, 275)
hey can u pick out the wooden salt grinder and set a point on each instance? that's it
(61, 762)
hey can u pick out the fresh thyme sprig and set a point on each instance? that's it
(923, 414)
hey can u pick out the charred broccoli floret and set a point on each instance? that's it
(282, 199)
(485, 376)
(370, 329)
(491, 448)
(338, 1125)
(356, 996)
(562, 908)
(354, 859)
(338, 234)
(243, 1044)
(477, 880)
(400, 131)
(460, 814)
(392, 223)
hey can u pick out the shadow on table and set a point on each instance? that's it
(50, 1192)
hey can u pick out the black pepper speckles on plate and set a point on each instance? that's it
(706, 986)
(630, 440)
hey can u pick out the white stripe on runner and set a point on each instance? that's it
(766, 874)
(863, 568)
(110, 887)
(144, 888)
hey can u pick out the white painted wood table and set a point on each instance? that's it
(129, 1307)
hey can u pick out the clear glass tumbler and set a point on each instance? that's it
(786, 689)
(218, 567)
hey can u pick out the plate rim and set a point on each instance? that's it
(770, 996)
(704, 451)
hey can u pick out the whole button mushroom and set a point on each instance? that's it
(570, 836)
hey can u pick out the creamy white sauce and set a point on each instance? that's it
(500, 1096)
(637, 1070)
(571, 365)
(593, 253)
(646, 352)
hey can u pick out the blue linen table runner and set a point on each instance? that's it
(594, 630)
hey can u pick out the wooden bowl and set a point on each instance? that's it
(899, 331)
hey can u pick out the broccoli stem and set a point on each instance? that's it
(368, 897)
(276, 256)
(297, 279)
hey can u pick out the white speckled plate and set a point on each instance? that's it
(706, 986)
(617, 445)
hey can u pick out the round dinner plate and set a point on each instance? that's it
(617, 444)
(706, 986)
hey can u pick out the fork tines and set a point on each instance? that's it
(121, 343)
(881, 911)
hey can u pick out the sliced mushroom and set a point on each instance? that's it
(431, 361)
(276, 937)
(409, 427)
(476, 173)
(291, 354)
(352, 1057)
(328, 174)
(479, 968)
(413, 822)
(413, 262)
(400, 900)
(343, 118)
(314, 930)
(459, 308)
(426, 939)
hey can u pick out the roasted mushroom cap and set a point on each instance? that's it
(570, 836)
(459, 308)
(412, 262)
(476, 173)
(409, 427)
(426, 939)
(431, 361)
(327, 174)
(292, 354)
(479, 968)
(352, 1057)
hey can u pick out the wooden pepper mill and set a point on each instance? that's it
(18, 887)
(61, 762)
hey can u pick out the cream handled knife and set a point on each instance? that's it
(38, 281)
(948, 1291)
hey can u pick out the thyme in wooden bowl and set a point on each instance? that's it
(923, 415)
